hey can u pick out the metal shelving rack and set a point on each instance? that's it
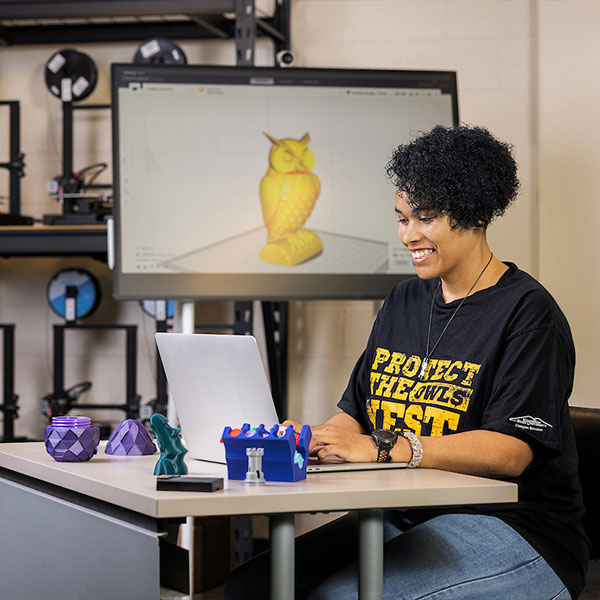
(84, 21)
(81, 21)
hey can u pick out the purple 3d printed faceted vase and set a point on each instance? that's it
(71, 439)
(130, 438)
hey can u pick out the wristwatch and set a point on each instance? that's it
(385, 441)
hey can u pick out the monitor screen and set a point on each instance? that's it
(263, 183)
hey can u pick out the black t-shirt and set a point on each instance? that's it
(504, 364)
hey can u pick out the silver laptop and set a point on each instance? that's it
(218, 381)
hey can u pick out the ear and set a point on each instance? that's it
(305, 139)
(273, 140)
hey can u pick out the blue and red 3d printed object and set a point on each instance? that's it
(286, 452)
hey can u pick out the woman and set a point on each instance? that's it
(468, 368)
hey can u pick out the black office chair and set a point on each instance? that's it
(586, 425)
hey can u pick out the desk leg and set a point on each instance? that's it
(370, 579)
(282, 557)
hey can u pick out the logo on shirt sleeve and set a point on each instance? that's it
(530, 423)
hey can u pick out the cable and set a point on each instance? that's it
(99, 167)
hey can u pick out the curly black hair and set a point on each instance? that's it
(464, 173)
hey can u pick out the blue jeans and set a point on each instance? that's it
(466, 557)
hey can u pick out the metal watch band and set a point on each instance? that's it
(416, 447)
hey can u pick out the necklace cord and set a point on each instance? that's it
(427, 352)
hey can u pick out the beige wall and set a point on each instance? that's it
(489, 43)
(494, 47)
(569, 142)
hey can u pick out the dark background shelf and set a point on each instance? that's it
(53, 240)
(80, 21)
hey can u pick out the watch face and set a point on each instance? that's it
(385, 435)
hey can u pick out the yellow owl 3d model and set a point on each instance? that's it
(288, 192)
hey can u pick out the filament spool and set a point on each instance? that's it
(159, 51)
(71, 75)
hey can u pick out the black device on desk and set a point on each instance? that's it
(183, 483)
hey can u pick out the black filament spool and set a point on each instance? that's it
(159, 51)
(76, 67)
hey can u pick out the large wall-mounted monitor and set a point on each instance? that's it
(263, 183)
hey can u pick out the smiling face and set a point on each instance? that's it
(437, 249)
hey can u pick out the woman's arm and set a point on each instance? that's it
(340, 420)
(343, 421)
(478, 452)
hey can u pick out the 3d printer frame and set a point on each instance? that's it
(15, 166)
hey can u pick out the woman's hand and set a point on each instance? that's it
(347, 445)
(297, 427)
(312, 450)
(340, 436)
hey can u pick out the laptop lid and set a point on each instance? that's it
(216, 381)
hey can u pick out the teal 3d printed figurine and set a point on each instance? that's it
(170, 445)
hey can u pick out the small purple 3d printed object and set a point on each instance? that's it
(130, 438)
(71, 439)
